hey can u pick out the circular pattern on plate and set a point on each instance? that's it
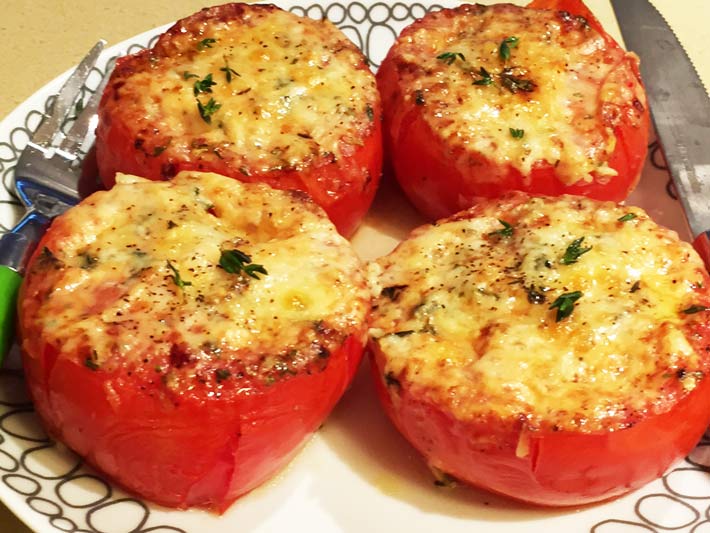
(54, 483)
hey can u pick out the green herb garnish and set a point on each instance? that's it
(450, 57)
(506, 231)
(516, 133)
(486, 78)
(177, 280)
(627, 217)
(574, 251)
(187, 75)
(206, 43)
(505, 46)
(695, 309)
(237, 262)
(204, 85)
(565, 304)
(208, 109)
(229, 72)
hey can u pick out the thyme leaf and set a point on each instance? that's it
(237, 262)
(204, 85)
(506, 231)
(450, 57)
(229, 72)
(505, 46)
(208, 109)
(486, 78)
(565, 304)
(177, 280)
(206, 43)
(574, 251)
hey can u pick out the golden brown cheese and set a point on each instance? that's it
(261, 85)
(566, 312)
(520, 86)
(137, 271)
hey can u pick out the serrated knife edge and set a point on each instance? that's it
(679, 104)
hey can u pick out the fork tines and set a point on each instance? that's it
(49, 134)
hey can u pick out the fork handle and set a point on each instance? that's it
(9, 284)
(15, 249)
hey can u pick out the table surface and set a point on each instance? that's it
(43, 38)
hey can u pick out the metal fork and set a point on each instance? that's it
(46, 181)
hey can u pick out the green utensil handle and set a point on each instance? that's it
(9, 285)
(15, 248)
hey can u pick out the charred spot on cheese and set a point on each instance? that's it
(393, 292)
(494, 327)
(695, 309)
(550, 74)
(47, 260)
(143, 285)
(256, 90)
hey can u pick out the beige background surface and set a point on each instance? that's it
(42, 39)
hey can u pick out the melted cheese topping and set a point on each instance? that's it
(270, 88)
(468, 315)
(558, 87)
(135, 273)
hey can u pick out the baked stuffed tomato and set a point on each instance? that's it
(185, 337)
(251, 92)
(553, 349)
(479, 100)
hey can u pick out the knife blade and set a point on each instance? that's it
(680, 109)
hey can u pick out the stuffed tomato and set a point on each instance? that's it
(480, 100)
(554, 350)
(186, 337)
(255, 93)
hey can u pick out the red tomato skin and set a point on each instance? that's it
(179, 449)
(323, 179)
(344, 187)
(195, 451)
(561, 468)
(423, 162)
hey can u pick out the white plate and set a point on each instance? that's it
(357, 473)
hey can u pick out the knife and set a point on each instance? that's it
(680, 108)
